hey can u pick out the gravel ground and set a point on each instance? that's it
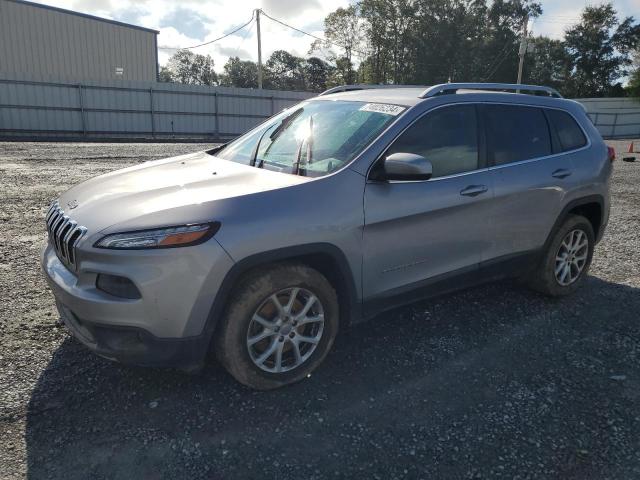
(494, 382)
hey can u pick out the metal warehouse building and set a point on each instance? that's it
(39, 42)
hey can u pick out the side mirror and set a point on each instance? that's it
(405, 166)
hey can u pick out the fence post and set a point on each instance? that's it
(615, 122)
(217, 117)
(273, 104)
(81, 101)
(151, 111)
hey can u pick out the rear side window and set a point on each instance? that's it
(516, 133)
(447, 137)
(569, 133)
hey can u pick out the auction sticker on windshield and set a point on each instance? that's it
(382, 108)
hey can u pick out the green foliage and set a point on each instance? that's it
(317, 73)
(435, 41)
(189, 68)
(549, 64)
(284, 71)
(165, 75)
(240, 73)
(600, 49)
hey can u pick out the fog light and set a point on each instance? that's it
(117, 286)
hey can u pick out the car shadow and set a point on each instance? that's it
(492, 380)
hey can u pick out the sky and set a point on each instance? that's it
(190, 22)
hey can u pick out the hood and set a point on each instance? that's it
(151, 188)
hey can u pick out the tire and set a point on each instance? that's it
(544, 278)
(255, 295)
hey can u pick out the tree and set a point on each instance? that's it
(189, 68)
(283, 71)
(164, 75)
(633, 89)
(600, 47)
(240, 73)
(549, 64)
(316, 74)
(343, 28)
(434, 41)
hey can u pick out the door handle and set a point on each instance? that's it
(473, 190)
(561, 173)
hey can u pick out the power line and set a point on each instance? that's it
(498, 60)
(210, 41)
(310, 34)
(244, 37)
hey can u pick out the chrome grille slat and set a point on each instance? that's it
(65, 240)
(52, 218)
(50, 212)
(57, 231)
(64, 234)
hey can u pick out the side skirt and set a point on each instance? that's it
(511, 266)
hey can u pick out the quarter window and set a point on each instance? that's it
(569, 133)
(516, 133)
(447, 137)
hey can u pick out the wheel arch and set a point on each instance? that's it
(591, 207)
(326, 258)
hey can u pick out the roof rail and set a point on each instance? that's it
(517, 88)
(363, 86)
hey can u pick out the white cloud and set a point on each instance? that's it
(214, 19)
(218, 17)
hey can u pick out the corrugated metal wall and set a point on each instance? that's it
(614, 117)
(42, 43)
(133, 109)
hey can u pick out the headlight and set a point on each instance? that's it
(169, 237)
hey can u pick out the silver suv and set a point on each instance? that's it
(345, 205)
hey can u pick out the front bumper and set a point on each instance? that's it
(134, 345)
(166, 326)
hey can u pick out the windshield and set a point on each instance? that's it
(313, 138)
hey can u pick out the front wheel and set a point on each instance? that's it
(567, 258)
(280, 324)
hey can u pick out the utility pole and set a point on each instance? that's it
(523, 46)
(259, 49)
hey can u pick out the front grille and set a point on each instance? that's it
(64, 234)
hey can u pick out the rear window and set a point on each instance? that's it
(516, 133)
(569, 132)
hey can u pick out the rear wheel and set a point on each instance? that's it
(567, 259)
(280, 324)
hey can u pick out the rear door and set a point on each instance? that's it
(419, 231)
(531, 176)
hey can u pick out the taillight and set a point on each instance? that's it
(612, 153)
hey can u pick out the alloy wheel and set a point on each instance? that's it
(285, 330)
(571, 257)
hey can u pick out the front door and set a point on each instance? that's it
(417, 232)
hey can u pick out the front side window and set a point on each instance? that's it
(447, 137)
(516, 133)
(314, 138)
(569, 133)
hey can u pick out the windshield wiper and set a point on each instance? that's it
(309, 141)
(285, 123)
(275, 134)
